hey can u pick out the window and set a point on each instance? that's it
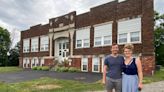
(96, 64)
(34, 62)
(79, 43)
(103, 34)
(121, 0)
(98, 41)
(134, 36)
(26, 45)
(107, 40)
(34, 44)
(44, 41)
(84, 64)
(42, 62)
(86, 43)
(83, 38)
(25, 62)
(129, 31)
(122, 38)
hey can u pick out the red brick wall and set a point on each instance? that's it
(62, 19)
(48, 62)
(89, 64)
(76, 62)
(148, 64)
(34, 31)
(111, 11)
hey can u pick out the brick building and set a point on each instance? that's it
(85, 39)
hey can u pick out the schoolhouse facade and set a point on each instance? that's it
(85, 39)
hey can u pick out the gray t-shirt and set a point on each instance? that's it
(114, 66)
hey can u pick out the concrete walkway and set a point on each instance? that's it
(152, 87)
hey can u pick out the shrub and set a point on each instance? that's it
(34, 68)
(39, 67)
(45, 68)
(73, 69)
(57, 68)
(63, 69)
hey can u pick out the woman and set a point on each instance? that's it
(132, 71)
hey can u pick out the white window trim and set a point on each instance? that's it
(42, 61)
(35, 45)
(102, 42)
(34, 62)
(82, 43)
(98, 64)
(139, 38)
(129, 37)
(121, 1)
(44, 45)
(82, 64)
(102, 37)
(123, 42)
(26, 47)
(128, 33)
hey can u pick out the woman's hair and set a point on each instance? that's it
(128, 46)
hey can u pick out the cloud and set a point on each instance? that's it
(21, 14)
(14, 33)
(159, 6)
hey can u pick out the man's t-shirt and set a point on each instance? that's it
(114, 66)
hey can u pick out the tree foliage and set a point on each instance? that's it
(4, 46)
(14, 55)
(159, 38)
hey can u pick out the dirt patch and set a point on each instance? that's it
(48, 86)
(80, 78)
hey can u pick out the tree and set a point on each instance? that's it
(159, 38)
(14, 55)
(4, 46)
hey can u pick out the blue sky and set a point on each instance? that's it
(17, 15)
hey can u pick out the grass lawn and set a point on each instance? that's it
(56, 85)
(158, 76)
(50, 85)
(10, 69)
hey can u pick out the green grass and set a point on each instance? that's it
(10, 69)
(158, 76)
(63, 86)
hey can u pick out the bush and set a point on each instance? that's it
(63, 69)
(34, 68)
(73, 69)
(45, 68)
(39, 67)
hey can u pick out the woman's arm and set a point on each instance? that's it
(140, 73)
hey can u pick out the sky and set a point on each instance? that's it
(18, 15)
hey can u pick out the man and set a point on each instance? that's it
(112, 75)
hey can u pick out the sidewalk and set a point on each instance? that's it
(152, 87)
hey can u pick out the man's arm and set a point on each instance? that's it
(104, 74)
